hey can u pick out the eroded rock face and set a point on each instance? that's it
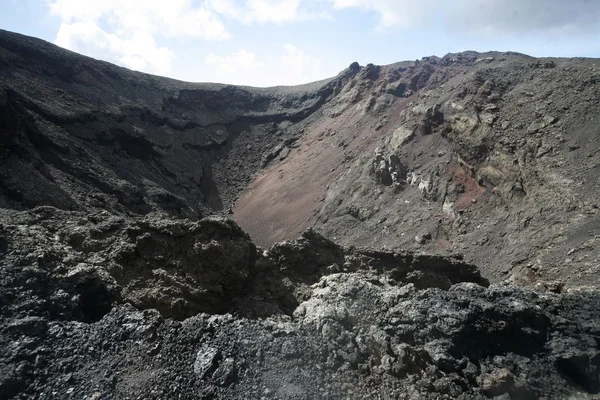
(81, 134)
(497, 158)
(182, 268)
(97, 306)
(179, 267)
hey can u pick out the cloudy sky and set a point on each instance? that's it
(284, 42)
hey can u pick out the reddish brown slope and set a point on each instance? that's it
(285, 199)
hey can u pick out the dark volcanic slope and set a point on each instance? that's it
(81, 134)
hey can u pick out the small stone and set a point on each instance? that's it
(284, 153)
(536, 126)
(496, 382)
(206, 360)
(154, 350)
(290, 350)
(406, 290)
(488, 118)
(424, 238)
(333, 268)
(555, 286)
(226, 372)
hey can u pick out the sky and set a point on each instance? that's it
(288, 42)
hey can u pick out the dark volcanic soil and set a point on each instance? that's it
(115, 283)
(101, 307)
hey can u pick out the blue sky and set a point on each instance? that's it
(284, 42)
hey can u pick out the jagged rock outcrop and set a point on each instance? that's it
(216, 317)
(81, 134)
(498, 163)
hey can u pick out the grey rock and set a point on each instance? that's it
(206, 361)
(423, 238)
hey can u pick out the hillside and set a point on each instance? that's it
(493, 156)
(427, 229)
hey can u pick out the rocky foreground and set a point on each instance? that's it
(105, 307)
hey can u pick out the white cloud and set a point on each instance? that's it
(126, 32)
(202, 18)
(131, 28)
(241, 60)
(491, 16)
(173, 18)
(300, 63)
(265, 11)
(139, 52)
(273, 11)
(405, 14)
(293, 67)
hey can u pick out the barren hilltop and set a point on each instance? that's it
(424, 230)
